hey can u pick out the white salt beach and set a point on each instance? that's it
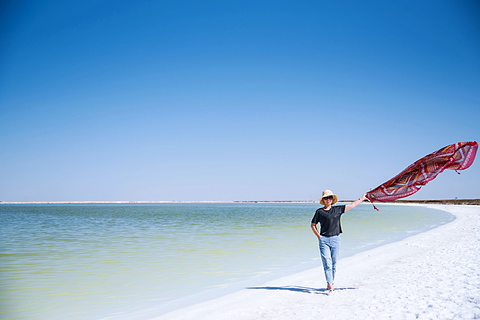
(431, 275)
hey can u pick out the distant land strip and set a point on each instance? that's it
(474, 202)
(440, 201)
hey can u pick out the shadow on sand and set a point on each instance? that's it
(301, 289)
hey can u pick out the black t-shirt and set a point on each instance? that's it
(329, 220)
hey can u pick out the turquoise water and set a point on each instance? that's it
(99, 261)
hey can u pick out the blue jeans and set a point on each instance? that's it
(329, 248)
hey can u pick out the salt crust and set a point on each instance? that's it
(432, 275)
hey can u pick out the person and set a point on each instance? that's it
(330, 229)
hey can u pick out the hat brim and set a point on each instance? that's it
(335, 199)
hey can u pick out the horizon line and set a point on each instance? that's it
(464, 201)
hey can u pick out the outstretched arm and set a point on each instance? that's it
(355, 203)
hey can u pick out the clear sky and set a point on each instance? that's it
(233, 100)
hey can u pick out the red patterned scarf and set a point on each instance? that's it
(458, 156)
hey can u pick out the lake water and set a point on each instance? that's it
(88, 261)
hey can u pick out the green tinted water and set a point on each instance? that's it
(93, 261)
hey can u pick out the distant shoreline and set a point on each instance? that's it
(441, 201)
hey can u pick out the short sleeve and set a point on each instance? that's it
(314, 219)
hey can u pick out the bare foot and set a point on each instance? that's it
(330, 287)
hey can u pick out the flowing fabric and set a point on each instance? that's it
(458, 156)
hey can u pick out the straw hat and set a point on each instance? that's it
(327, 193)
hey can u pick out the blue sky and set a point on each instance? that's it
(233, 100)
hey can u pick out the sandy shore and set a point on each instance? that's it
(432, 275)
